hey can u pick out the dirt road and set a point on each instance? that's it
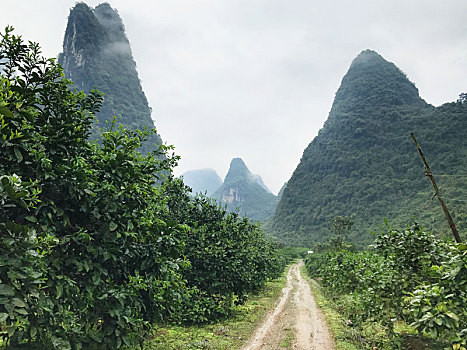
(296, 322)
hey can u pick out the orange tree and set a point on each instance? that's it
(229, 256)
(94, 247)
(83, 257)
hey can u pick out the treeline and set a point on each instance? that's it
(98, 242)
(409, 289)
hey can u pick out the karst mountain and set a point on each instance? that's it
(363, 162)
(97, 54)
(202, 180)
(246, 192)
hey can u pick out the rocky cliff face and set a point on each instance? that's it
(363, 162)
(232, 195)
(97, 54)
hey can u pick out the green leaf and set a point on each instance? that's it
(112, 226)
(10, 330)
(33, 331)
(6, 112)
(59, 289)
(6, 290)
(18, 302)
(18, 154)
(3, 317)
(453, 316)
(126, 340)
(89, 192)
(96, 279)
(21, 311)
(95, 336)
(31, 218)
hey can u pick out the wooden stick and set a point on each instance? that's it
(443, 204)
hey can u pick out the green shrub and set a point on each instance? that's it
(409, 276)
(229, 256)
(83, 259)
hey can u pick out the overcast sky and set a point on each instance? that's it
(256, 78)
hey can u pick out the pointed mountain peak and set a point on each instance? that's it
(238, 163)
(238, 171)
(373, 81)
(97, 53)
(368, 57)
(80, 6)
(247, 192)
(111, 21)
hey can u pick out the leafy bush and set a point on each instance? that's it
(83, 259)
(408, 276)
(94, 242)
(229, 256)
(437, 307)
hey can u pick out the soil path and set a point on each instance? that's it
(296, 322)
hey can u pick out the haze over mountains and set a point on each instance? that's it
(97, 54)
(363, 163)
(202, 180)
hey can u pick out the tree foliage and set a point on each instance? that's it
(93, 249)
(229, 256)
(84, 258)
(409, 276)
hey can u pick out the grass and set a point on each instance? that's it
(228, 334)
(286, 343)
(349, 338)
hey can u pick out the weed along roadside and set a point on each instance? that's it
(406, 292)
(230, 333)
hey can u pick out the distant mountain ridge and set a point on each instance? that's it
(363, 162)
(97, 53)
(202, 180)
(259, 181)
(247, 192)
